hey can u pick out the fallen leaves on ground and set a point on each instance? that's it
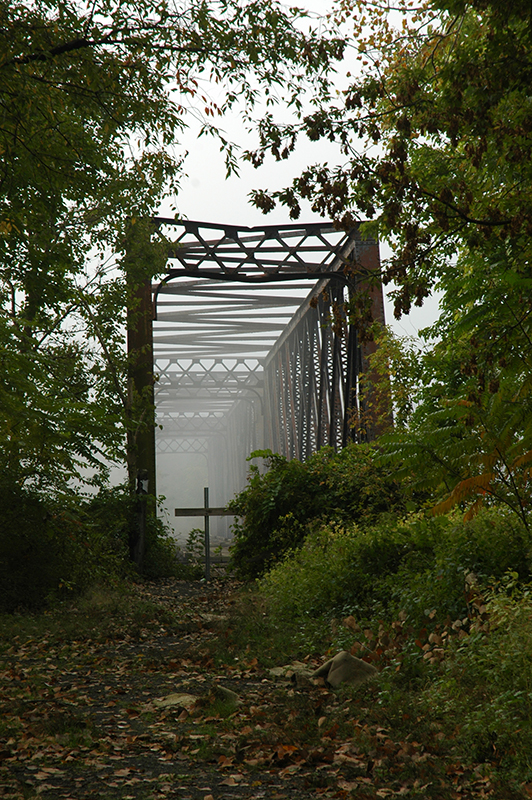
(135, 715)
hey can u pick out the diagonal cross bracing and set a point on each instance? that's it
(243, 359)
(270, 250)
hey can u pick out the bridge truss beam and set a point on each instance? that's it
(244, 350)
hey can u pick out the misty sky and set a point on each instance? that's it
(209, 196)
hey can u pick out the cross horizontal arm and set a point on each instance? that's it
(203, 512)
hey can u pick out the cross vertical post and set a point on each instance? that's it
(207, 536)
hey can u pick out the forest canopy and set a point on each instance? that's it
(435, 128)
(93, 99)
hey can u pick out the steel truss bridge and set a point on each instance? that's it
(251, 344)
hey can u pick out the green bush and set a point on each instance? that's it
(339, 571)
(278, 509)
(417, 566)
(54, 548)
(111, 512)
(485, 684)
(50, 549)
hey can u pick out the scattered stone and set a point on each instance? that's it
(345, 668)
(214, 620)
(177, 699)
(227, 695)
(291, 672)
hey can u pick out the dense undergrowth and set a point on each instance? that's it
(279, 507)
(417, 565)
(442, 607)
(457, 688)
(55, 549)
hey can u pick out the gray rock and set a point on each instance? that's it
(177, 699)
(227, 695)
(291, 672)
(345, 668)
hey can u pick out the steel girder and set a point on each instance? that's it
(311, 379)
(271, 252)
(242, 367)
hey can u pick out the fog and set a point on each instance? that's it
(207, 194)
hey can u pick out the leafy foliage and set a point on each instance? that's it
(92, 101)
(53, 419)
(488, 678)
(46, 551)
(416, 566)
(435, 127)
(278, 508)
(459, 434)
(56, 549)
(444, 89)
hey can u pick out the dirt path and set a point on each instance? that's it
(82, 718)
(81, 722)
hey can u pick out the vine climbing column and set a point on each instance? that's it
(139, 266)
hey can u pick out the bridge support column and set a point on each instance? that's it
(376, 414)
(141, 403)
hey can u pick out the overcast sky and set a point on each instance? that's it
(209, 196)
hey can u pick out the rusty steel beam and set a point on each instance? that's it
(318, 382)
(242, 330)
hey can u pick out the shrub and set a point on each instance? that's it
(110, 512)
(417, 566)
(278, 509)
(49, 548)
(485, 685)
(52, 548)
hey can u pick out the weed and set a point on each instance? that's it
(101, 613)
(417, 566)
(70, 726)
(222, 708)
(456, 695)
(485, 687)
(278, 509)
(54, 550)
